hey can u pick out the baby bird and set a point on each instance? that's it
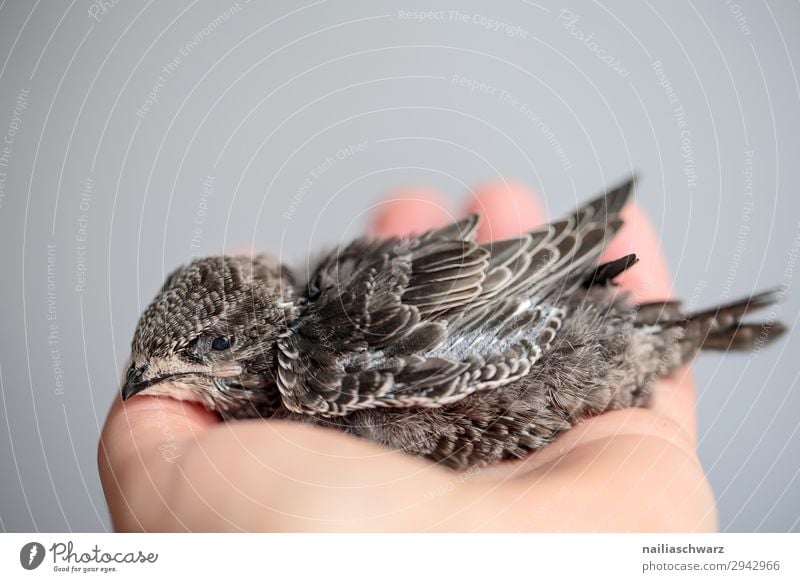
(435, 345)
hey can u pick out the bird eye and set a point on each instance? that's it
(220, 343)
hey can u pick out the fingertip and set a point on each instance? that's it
(408, 211)
(242, 251)
(137, 454)
(649, 279)
(507, 208)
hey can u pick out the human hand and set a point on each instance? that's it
(168, 465)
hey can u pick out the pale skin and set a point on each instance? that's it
(172, 466)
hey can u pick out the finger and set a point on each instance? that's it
(649, 279)
(273, 475)
(506, 209)
(141, 440)
(410, 210)
(242, 251)
(280, 475)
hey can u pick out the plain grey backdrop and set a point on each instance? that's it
(136, 135)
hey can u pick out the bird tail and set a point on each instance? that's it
(718, 328)
(721, 328)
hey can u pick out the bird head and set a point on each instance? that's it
(209, 334)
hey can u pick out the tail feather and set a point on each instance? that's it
(721, 328)
(658, 312)
(729, 314)
(718, 328)
(743, 336)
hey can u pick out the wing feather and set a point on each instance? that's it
(430, 320)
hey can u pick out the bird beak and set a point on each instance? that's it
(137, 379)
(133, 381)
(140, 378)
(129, 390)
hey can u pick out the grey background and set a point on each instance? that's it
(268, 92)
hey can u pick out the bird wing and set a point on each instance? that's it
(428, 320)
